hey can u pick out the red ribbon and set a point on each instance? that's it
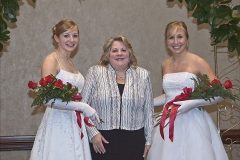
(173, 113)
(79, 121)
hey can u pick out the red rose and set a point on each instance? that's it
(32, 85)
(215, 82)
(228, 84)
(58, 84)
(187, 90)
(77, 97)
(42, 82)
(48, 79)
(185, 94)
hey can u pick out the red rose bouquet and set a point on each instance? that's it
(207, 90)
(203, 89)
(49, 88)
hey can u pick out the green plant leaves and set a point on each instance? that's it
(201, 14)
(4, 33)
(191, 4)
(10, 8)
(223, 11)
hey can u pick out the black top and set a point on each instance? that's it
(121, 88)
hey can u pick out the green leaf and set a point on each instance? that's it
(223, 11)
(205, 2)
(232, 43)
(10, 8)
(3, 25)
(237, 7)
(1, 46)
(220, 34)
(238, 49)
(4, 37)
(236, 12)
(4, 33)
(224, 1)
(191, 4)
(201, 14)
(234, 22)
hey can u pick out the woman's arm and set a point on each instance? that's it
(87, 93)
(160, 100)
(148, 111)
(203, 67)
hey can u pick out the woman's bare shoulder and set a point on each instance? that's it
(50, 57)
(166, 64)
(202, 66)
(50, 65)
(166, 61)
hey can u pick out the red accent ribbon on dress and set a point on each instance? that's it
(85, 119)
(173, 113)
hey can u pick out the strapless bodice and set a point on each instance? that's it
(173, 83)
(75, 79)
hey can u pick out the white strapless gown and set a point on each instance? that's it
(195, 134)
(58, 136)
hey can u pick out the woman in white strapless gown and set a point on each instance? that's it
(195, 134)
(59, 136)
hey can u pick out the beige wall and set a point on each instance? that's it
(142, 21)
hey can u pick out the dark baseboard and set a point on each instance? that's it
(17, 143)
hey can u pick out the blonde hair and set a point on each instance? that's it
(104, 60)
(176, 24)
(62, 26)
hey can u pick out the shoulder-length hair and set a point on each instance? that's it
(104, 60)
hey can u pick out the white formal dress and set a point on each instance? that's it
(59, 136)
(195, 135)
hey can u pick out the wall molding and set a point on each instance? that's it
(16, 143)
(25, 142)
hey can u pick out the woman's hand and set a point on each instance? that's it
(146, 149)
(97, 142)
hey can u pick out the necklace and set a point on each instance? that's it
(65, 62)
(120, 75)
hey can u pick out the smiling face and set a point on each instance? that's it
(68, 40)
(176, 40)
(176, 37)
(119, 56)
